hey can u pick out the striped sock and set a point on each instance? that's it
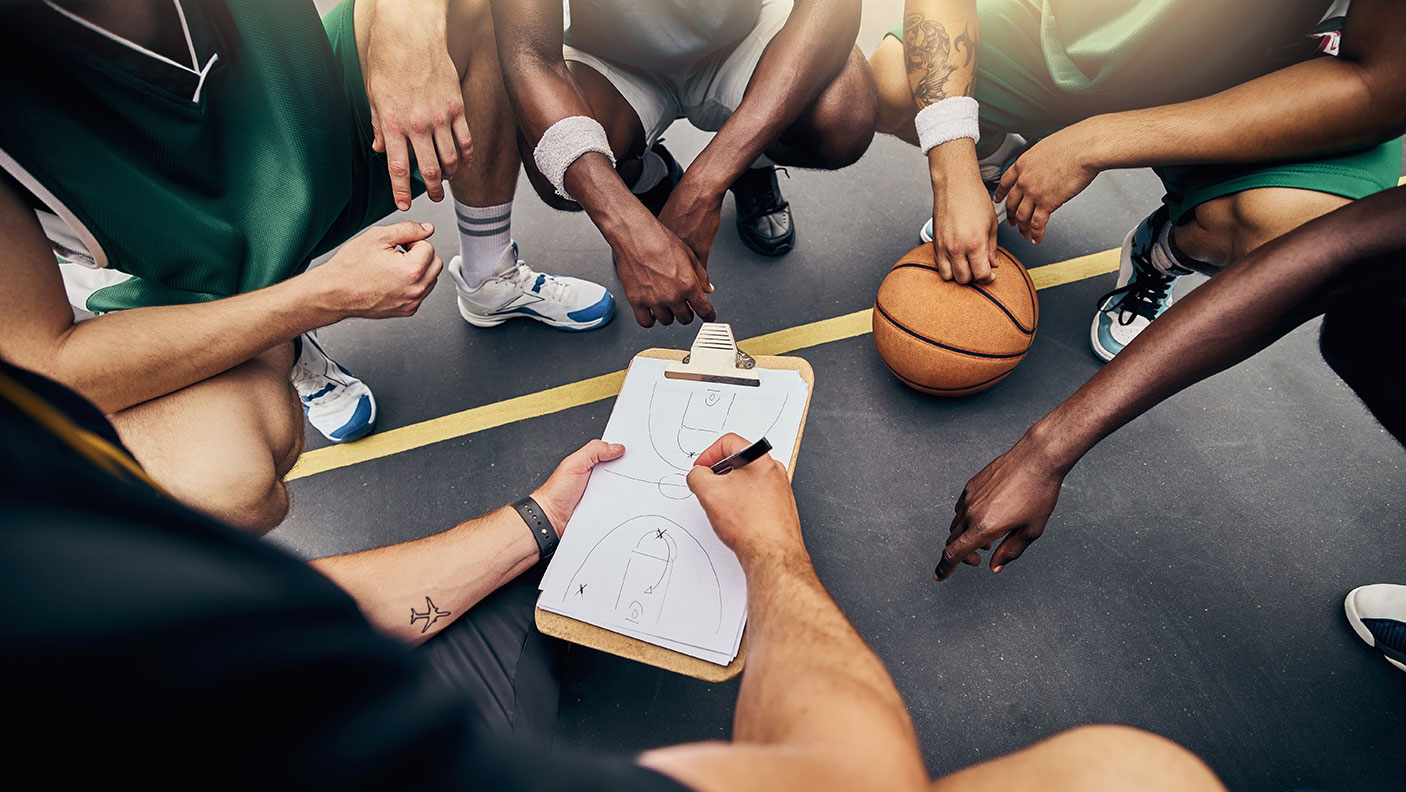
(484, 233)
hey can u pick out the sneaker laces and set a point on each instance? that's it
(759, 192)
(1144, 296)
(524, 277)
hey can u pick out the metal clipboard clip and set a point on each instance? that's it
(715, 358)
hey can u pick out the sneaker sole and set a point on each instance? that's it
(1355, 619)
(479, 320)
(368, 429)
(779, 250)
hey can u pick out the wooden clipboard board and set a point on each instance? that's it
(707, 357)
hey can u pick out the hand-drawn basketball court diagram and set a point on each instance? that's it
(648, 570)
(682, 428)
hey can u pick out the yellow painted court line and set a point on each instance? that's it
(586, 391)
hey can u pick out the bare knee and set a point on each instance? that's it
(1107, 757)
(1226, 229)
(1092, 759)
(896, 107)
(540, 185)
(471, 34)
(839, 127)
(256, 506)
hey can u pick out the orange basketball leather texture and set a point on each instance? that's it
(947, 339)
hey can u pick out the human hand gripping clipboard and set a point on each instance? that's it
(649, 558)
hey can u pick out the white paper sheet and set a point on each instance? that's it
(638, 555)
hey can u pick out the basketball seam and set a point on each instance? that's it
(1030, 289)
(983, 293)
(916, 384)
(939, 344)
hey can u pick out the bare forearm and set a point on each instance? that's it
(939, 45)
(415, 589)
(1319, 106)
(127, 357)
(811, 682)
(801, 60)
(1241, 311)
(543, 92)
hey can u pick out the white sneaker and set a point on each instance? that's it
(1142, 292)
(993, 166)
(1377, 614)
(516, 290)
(337, 404)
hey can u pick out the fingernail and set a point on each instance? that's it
(617, 448)
(402, 206)
(427, 226)
(998, 568)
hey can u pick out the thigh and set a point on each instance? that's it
(223, 445)
(640, 103)
(712, 91)
(1351, 175)
(495, 656)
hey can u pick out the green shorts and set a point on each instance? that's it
(1018, 94)
(371, 198)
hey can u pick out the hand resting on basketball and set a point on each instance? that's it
(1010, 499)
(963, 220)
(751, 508)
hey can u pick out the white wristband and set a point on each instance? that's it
(563, 143)
(949, 119)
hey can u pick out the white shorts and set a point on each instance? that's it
(706, 93)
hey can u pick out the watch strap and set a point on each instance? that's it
(540, 526)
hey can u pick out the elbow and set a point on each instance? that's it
(1379, 86)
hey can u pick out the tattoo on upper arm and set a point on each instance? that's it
(431, 615)
(931, 55)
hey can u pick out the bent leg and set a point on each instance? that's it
(223, 445)
(495, 656)
(837, 128)
(491, 177)
(896, 108)
(1091, 759)
(1224, 230)
(623, 128)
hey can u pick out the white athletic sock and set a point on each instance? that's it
(652, 171)
(484, 233)
(1165, 257)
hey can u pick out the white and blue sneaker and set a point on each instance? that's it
(1377, 614)
(516, 290)
(1143, 292)
(993, 167)
(337, 404)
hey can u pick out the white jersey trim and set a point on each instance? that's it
(80, 232)
(194, 68)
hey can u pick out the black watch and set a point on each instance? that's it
(540, 526)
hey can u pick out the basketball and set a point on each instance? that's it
(947, 339)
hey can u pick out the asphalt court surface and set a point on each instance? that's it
(1190, 581)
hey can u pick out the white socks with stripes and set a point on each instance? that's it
(485, 232)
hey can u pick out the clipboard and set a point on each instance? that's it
(714, 357)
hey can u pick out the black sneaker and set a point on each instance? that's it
(764, 218)
(658, 195)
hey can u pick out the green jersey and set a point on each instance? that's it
(200, 177)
